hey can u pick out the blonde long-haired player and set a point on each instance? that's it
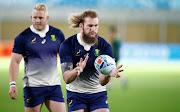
(86, 90)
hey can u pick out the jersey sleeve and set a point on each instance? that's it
(106, 48)
(61, 35)
(109, 50)
(18, 45)
(65, 53)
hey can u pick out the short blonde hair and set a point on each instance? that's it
(76, 19)
(41, 7)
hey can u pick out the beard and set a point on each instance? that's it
(89, 39)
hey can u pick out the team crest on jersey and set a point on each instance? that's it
(53, 38)
(33, 41)
(78, 53)
(96, 52)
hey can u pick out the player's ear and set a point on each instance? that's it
(47, 18)
(81, 25)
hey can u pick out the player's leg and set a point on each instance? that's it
(101, 110)
(33, 98)
(81, 110)
(76, 102)
(54, 106)
(55, 100)
(33, 109)
(98, 102)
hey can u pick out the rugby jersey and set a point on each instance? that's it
(72, 50)
(40, 55)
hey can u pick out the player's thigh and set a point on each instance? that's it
(54, 106)
(101, 110)
(81, 110)
(33, 109)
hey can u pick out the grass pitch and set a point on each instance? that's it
(143, 88)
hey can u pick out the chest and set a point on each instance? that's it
(35, 44)
(93, 53)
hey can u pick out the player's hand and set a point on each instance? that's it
(117, 71)
(81, 64)
(12, 90)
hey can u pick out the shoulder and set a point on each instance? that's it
(69, 42)
(24, 34)
(105, 47)
(23, 37)
(102, 41)
(51, 28)
(57, 32)
(101, 38)
(26, 31)
(71, 39)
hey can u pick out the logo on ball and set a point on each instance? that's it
(105, 64)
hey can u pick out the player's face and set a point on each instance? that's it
(39, 19)
(90, 30)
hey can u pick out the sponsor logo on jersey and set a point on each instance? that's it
(53, 38)
(28, 100)
(78, 53)
(43, 41)
(33, 41)
(70, 103)
(87, 54)
(96, 52)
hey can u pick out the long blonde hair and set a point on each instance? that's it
(76, 19)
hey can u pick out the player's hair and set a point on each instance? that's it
(76, 19)
(41, 7)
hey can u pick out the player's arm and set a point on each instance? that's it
(13, 74)
(104, 79)
(70, 74)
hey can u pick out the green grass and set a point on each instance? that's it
(151, 88)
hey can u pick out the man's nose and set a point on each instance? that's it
(93, 28)
(37, 20)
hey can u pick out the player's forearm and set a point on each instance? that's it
(14, 66)
(13, 71)
(70, 75)
(104, 79)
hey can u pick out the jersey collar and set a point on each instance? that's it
(85, 45)
(42, 33)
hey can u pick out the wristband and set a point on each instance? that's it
(13, 83)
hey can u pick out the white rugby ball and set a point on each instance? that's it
(105, 64)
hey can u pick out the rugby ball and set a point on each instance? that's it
(105, 64)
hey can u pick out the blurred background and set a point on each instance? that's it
(147, 34)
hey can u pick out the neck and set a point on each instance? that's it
(81, 37)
